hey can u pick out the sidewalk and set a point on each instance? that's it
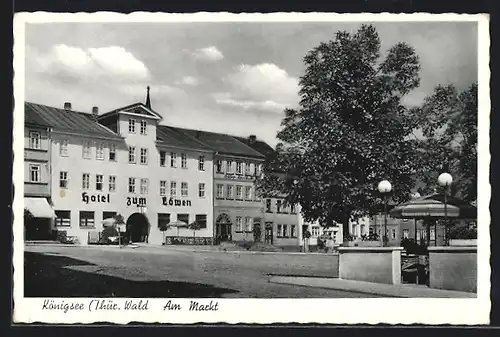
(389, 290)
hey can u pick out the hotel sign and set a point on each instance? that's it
(86, 198)
(175, 202)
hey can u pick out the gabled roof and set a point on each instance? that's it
(258, 145)
(222, 143)
(68, 121)
(168, 135)
(32, 118)
(138, 107)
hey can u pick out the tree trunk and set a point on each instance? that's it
(345, 227)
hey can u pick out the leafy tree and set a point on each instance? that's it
(448, 120)
(350, 131)
(194, 226)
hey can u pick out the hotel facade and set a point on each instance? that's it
(125, 162)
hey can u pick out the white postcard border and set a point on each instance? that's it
(335, 311)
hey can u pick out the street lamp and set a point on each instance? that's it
(385, 187)
(445, 180)
(415, 195)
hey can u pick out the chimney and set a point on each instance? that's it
(252, 139)
(67, 106)
(95, 112)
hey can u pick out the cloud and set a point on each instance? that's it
(208, 54)
(111, 62)
(263, 86)
(189, 80)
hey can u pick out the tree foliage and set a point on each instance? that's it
(350, 130)
(448, 120)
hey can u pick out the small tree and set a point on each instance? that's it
(119, 220)
(194, 226)
(163, 227)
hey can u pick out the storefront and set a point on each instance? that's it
(38, 219)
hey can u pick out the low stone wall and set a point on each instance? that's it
(453, 268)
(370, 264)
(463, 242)
(188, 240)
(364, 243)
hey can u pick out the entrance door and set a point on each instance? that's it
(223, 228)
(137, 227)
(269, 233)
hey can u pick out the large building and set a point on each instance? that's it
(37, 177)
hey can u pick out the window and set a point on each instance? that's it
(144, 127)
(247, 168)
(201, 163)
(184, 217)
(393, 233)
(201, 220)
(292, 209)
(144, 185)
(183, 160)
(201, 190)
(35, 173)
(315, 231)
(239, 167)
(131, 125)
(285, 231)
(163, 155)
(144, 156)
(406, 233)
(220, 191)
(363, 230)
(268, 206)
(87, 149)
(108, 214)
(239, 192)
(218, 166)
(85, 181)
(371, 230)
(163, 187)
(63, 179)
(99, 151)
(278, 206)
(87, 219)
(229, 164)
(63, 148)
(112, 183)
(239, 223)
(293, 231)
(248, 192)
(230, 192)
(98, 182)
(112, 152)
(173, 159)
(131, 185)
(278, 231)
(63, 218)
(433, 234)
(184, 189)
(163, 219)
(35, 142)
(131, 154)
(173, 189)
(248, 224)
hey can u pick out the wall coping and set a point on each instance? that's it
(447, 249)
(369, 249)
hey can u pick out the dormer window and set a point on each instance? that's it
(144, 127)
(131, 125)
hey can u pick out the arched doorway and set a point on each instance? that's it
(137, 227)
(223, 228)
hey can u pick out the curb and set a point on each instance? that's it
(406, 291)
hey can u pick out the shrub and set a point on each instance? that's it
(412, 247)
(463, 232)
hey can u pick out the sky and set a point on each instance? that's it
(234, 78)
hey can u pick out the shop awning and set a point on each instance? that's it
(39, 208)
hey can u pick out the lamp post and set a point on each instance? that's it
(385, 187)
(415, 195)
(445, 180)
